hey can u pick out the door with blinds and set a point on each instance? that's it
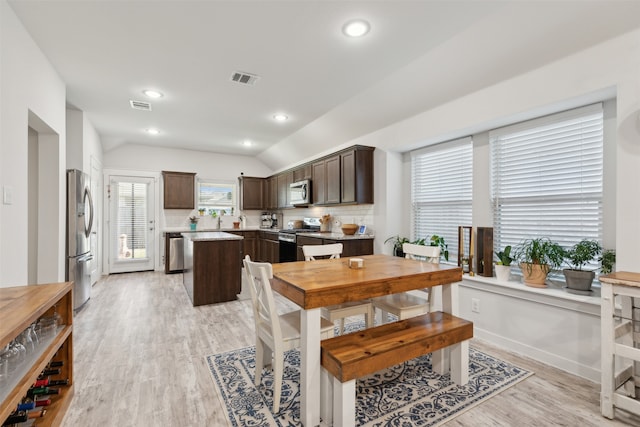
(131, 241)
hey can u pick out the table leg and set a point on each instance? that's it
(607, 372)
(310, 367)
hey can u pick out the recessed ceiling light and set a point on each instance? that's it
(356, 28)
(153, 93)
(247, 143)
(280, 117)
(152, 131)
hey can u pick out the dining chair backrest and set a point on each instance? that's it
(311, 251)
(265, 312)
(429, 253)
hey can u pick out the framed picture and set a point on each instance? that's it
(362, 229)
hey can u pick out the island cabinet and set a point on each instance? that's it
(212, 267)
(351, 246)
(252, 193)
(179, 190)
(269, 246)
(19, 308)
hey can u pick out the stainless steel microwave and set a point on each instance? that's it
(300, 193)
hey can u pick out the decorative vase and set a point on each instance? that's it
(534, 275)
(192, 226)
(503, 272)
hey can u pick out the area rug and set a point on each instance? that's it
(409, 394)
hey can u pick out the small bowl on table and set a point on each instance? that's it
(349, 229)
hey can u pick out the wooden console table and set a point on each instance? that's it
(618, 379)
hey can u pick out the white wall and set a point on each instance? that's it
(28, 84)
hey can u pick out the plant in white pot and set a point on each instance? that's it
(537, 257)
(503, 266)
(577, 257)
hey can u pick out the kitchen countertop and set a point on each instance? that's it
(335, 236)
(205, 236)
(199, 230)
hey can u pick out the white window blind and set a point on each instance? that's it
(132, 219)
(547, 178)
(216, 196)
(441, 191)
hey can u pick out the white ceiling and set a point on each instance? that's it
(419, 54)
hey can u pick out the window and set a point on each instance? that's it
(547, 178)
(132, 219)
(441, 191)
(216, 197)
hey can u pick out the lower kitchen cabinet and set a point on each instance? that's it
(350, 247)
(250, 245)
(269, 247)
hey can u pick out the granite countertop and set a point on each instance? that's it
(336, 236)
(202, 230)
(205, 236)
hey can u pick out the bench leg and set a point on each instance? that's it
(440, 361)
(326, 396)
(344, 403)
(460, 362)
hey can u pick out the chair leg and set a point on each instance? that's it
(260, 356)
(326, 396)
(278, 372)
(369, 317)
(341, 328)
(385, 317)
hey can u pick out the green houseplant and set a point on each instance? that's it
(397, 242)
(503, 266)
(436, 240)
(537, 257)
(606, 260)
(577, 257)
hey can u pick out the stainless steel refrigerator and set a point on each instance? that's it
(79, 225)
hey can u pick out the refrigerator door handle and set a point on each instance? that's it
(87, 195)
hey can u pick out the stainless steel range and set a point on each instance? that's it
(287, 237)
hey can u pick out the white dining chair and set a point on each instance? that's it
(339, 311)
(275, 333)
(413, 303)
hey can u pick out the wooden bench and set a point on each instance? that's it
(356, 355)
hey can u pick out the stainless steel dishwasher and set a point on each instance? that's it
(174, 253)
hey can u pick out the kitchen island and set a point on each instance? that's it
(211, 266)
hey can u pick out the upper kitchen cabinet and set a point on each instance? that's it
(356, 175)
(303, 172)
(252, 193)
(284, 181)
(271, 193)
(179, 190)
(325, 182)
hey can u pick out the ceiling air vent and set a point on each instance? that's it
(244, 78)
(140, 105)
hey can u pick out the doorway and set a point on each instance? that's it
(132, 223)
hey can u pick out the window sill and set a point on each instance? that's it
(554, 295)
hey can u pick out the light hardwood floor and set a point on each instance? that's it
(140, 352)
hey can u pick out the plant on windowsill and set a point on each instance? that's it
(193, 220)
(201, 211)
(577, 257)
(537, 257)
(436, 240)
(503, 266)
(606, 260)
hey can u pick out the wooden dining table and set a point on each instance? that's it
(317, 284)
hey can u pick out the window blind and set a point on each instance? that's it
(441, 191)
(132, 219)
(547, 178)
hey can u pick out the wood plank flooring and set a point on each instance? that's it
(140, 352)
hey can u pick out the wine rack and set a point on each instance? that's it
(19, 308)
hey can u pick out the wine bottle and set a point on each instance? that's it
(26, 406)
(42, 402)
(16, 417)
(41, 383)
(48, 372)
(55, 364)
(36, 414)
(59, 382)
(42, 391)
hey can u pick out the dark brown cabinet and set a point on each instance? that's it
(179, 190)
(269, 247)
(318, 183)
(356, 175)
(350, 247)
(284, 181)
(271, 192)
(303, 172)
(250, 244)
(325, 181)
(252, 193)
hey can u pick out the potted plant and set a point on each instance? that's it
(503, 266)
(193, 222)
(439, 241)
(397, 244)
(201, 211)
(606, 260)
(537, 257)
(577, 257)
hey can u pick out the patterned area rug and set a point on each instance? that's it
(409, 394)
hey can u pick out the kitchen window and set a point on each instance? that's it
(216, 196)
(441, 191)
(547, 178)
